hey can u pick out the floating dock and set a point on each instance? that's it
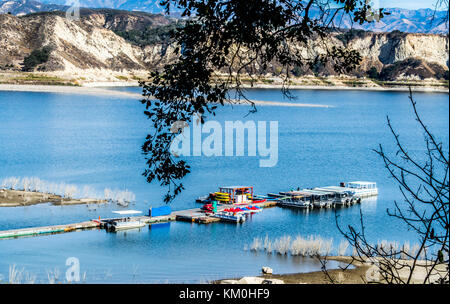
(35, 231)
(195, 215)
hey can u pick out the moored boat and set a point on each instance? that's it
(203, 199)
(259, 201)
(295, 199)
(252, 209)
(341, 197)
(320, 199)
(235, 217)
(362, 189)
(233, 195)
(124, 223)
(298, 203)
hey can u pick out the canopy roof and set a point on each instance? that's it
(127, 212)
(334, 189)
(361, 183)
(315, 192)
(236, 187)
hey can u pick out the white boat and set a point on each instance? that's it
(297, 203)
(117, 226)
(296, 199)
(248, 209)
(320, 199)
(341, 197)
(237, 217)
(362, 189)
(125, 222)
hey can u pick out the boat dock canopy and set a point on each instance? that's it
(334, 189)
(362, 185)
(122, 212)
(236, 187)
(296, 193)
(315, 192)
(236, 194)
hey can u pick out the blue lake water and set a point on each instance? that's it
(96, 141)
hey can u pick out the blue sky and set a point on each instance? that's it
(410, 4)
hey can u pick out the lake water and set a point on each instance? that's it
(96, 141)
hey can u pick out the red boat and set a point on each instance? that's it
(259, 201)
(208, 207)
(234, 210)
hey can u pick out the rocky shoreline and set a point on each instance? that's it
(101, 88)
(20, 198)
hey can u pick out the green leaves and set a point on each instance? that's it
(440, 256)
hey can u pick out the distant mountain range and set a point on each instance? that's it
(23, 7)
(149, 6)
(404, 20)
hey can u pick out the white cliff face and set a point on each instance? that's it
(432, 47)
(79, 45)
(101, 45)
(88, 47)
(379, 47)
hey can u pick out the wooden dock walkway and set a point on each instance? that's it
(191, 215)
(35, 231)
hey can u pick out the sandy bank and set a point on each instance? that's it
(17, 198)
(349, 276)
(98, 91)
(68, 90)
(362, 88)
(362, 273)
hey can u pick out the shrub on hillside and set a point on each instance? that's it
(373, 73)
(36, 57)
(149, 35)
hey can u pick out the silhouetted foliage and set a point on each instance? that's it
(233, 38)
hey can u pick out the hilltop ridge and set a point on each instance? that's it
(109, 44)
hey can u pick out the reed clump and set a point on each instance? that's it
(298, 246)
(314, 245)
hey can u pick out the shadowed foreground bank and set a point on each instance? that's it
(361, 273)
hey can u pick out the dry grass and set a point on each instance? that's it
(299, 246)
(312, 246)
